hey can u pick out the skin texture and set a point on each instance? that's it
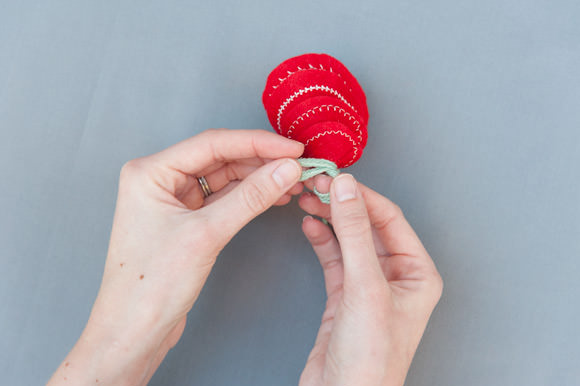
(166, 238)
(381, 285)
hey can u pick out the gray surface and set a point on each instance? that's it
(475, 133)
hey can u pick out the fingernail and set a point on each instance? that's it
(305, 217)
(344, 187)
(287, 173)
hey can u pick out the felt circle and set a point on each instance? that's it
(313, 63)
(320, 109)
(329, 140)
(303, 85)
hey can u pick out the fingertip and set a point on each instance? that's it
(311, 227)
(305, 201)
(305, 196)
(296, 189)
(287, 173)
(289, 147)
(306, 224)
(297, 147)
(322, 183)
(312, 205)
(309, 184)
(344, 188)
(284, 200)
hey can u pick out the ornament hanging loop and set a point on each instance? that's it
(314, 167)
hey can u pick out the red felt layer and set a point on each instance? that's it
(302, 85)
(314, 99)
(313, 63)
(331, 141)
(320, 109)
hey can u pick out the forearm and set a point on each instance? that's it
(113, 356)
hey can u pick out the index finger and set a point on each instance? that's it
(221, 145)
(392, 229)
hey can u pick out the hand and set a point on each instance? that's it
(381, 285)
(165, 240)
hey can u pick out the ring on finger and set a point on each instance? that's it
(206, 190)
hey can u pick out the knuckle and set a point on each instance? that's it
(437, 282)
(432, 286)
(132, 168)
(353, 223)
(255, 197)
(397, 210)
(212, 132)
(213, 138)
(206, 134)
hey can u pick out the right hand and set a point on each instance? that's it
(381, 285)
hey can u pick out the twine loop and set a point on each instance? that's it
(314, 167)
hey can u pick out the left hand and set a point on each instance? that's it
(165, 240)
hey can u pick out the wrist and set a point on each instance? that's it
(109, 353)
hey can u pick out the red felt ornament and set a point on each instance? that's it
(314, 99)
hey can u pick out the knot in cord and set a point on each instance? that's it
(314, 167)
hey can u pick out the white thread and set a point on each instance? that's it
(309, 89)
(319, 108)
(311, 67)
(339, 132)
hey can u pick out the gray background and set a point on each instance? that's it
(475, 133)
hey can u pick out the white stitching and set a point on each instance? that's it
(319, 108)
(311, 67)
(339, 132)
(302, 91)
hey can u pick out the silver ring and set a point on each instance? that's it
(204, 186)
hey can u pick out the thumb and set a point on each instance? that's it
(252, 196)
(352, 227)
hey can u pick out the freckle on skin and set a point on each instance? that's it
(121, 265)
(66, 364)
(141, 277)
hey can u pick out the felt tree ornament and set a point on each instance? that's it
(314, 99)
